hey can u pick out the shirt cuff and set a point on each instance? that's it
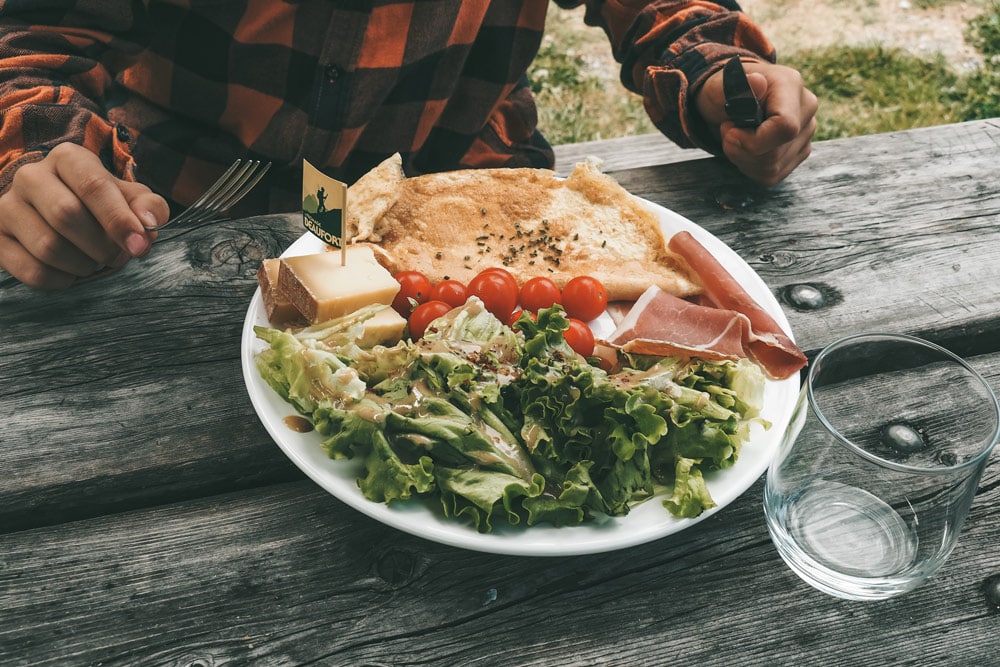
(669, 91)
(31, 131)
(670, 85)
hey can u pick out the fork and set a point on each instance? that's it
(231, 187)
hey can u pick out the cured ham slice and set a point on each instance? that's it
(664, 325)
(766, 343)
(618, 310)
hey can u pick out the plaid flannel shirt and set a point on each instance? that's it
(170, 92)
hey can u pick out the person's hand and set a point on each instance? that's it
(65, 218)
(771, 151)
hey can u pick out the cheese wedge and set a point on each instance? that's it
(385, 327)
(279, 310)
(321, 288)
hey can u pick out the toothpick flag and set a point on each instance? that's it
(324, 207)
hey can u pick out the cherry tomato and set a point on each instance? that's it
(539, 292)
(502, 271)
(515, 316)
(450, 291)
(584, 298)
(497, 291)
(580, 337)
(423, 315)
(412, 285)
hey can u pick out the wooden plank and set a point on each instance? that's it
(127, 391)
(287, 575)
(900, 231)
(112, 401)
(645, 150)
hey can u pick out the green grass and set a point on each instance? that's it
(928, 4)
(979, 93)
(574, 106)
(865, 90)
(862, 89)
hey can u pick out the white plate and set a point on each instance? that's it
(646, 522)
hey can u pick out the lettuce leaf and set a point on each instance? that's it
(690, 496)
(476, 494)
(516, 425)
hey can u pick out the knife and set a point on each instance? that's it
(742, 106)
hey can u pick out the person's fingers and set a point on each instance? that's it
(51, 247)
(100, 193)
(21, 264)
(771, 151)
(151, 209)
(47, 201)
(773, 166)
(758, 84)
(66, 218)
(786, 93)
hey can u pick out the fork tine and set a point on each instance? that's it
(237, 187)
(210, 192)
(246, 186)
(231, 187)
(197, 211)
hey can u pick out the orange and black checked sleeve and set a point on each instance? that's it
(52, 89)
(668, 48)
(170, 93)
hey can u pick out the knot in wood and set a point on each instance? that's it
(396, 567)
(780, 259)
(734, 199)
(238, 257)
(991, 591)
(200, 662)
(903, 438)
(809, 296)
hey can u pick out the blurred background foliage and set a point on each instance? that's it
(862, 89)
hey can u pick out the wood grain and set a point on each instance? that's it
(287, 575)
(146, 518)
(899, 231)
(644, 150)
(113, 394)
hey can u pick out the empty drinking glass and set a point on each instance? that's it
(876, 472)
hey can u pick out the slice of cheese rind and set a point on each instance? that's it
(278, 309)
(321, 288)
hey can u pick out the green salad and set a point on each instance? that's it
(497, 424)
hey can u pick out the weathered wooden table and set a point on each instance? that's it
(147, 518)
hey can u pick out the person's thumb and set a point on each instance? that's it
(711, 100)
(151, 209)
(758, 83)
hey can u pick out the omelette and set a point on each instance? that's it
(529, 221)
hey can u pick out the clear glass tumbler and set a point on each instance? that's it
(879, 465)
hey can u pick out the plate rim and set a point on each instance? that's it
(604, 535)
